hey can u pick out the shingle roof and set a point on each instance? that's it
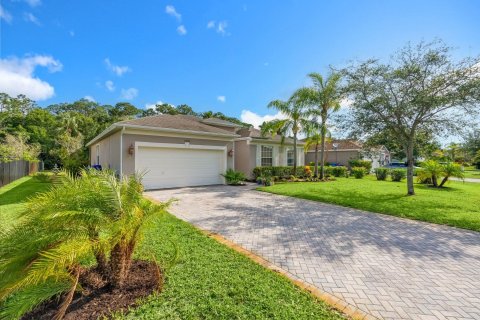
(345, 144)
(256, 134)
(178, 122)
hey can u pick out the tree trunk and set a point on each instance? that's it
(444, 180)
(410, 162)
(69, 297)
(322, 156)
(434, 180)
(295, 153)
(315, 173)
(102, 264)
(118, 265)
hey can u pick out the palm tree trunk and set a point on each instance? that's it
(118, 265)
(69, 297)
(444, 180)
(322, 156)
(315, 174)
(295, 153)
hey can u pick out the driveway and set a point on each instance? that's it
(388, 267)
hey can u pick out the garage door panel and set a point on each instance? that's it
(176, 167)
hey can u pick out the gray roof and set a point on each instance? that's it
(178, 122)
(256, 134)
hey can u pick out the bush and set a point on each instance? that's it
(339, 171)
(358, 172)
(234, 177)
(398, 174)
(42, 177)
(360, 163)
(278, 171)
(381, 173)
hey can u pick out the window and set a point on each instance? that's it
(97, 150)
(290, 156)
(267, 156)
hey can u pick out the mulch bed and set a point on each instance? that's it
(98, 300)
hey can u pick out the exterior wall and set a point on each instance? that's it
(109, 152)
(340, 156)
(130, 139)
(245, 157)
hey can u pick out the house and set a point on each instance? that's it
(181, 150)
(341, 151)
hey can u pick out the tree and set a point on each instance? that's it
(314, 138)
(471, 143)
(16, 148)
(41, 257)
(295, 120)
(421, 90)
(323, 98)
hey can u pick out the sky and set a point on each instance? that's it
(227, 56)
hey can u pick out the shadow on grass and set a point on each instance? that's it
(21, 191)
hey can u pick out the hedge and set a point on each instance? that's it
(360, 163)
(281, 172)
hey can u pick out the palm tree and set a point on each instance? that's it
(81, 216)
(323, 98)
(295, 120)
(314, 138)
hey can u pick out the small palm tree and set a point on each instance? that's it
(432, 169)
(323, 98)
(451, 169)
(94, 214)
(314, 138)
(294, 122)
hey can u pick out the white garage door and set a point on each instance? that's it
(179, 167)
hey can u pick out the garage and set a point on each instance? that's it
(172, 166)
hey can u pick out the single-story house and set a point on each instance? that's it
(341, 151)
(180, 150)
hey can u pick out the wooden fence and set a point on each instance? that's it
(11, 171)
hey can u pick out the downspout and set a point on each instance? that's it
(233, 158)
(121, 152)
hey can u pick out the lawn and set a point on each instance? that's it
(471, 172)
(207, 281)
(457, 205)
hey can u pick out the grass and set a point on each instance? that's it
(208, 280)
(457, 205)
(14, 195)
(471, 172)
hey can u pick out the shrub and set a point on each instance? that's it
(234, 177)
(339, 171)
(381, 173)
(42, 177)
(358, 172)
(279, 171)
(423, 177)
(398, 174)
(360, 163)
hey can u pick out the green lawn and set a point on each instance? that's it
(457, 205)
(208, 281)
(471, 172)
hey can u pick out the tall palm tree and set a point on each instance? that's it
(323, 98)
(314, 138)
(295, 120)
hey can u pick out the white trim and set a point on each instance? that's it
(272, 142)
(242, 139)
(338, 150)
(121, 152)
(139, 132)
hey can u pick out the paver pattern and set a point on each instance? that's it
(388, 267)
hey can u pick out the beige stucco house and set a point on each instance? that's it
(341, 151)
(179, 150)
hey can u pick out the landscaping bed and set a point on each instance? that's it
(455, 205)
(202, 278)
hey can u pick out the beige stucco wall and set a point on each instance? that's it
(342, 157)
(109, 152)
(130, 139)
(245, 157)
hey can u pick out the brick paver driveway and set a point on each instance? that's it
(388, 267)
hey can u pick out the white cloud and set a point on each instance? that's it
(17, 76)
(109, 85)
(222, 27)
(170, 10)
(153, 105)
(29, 17)
(118, 70)
(222, 99)
(129, 94)
(5, 15)
(182, 30)
(346, 103)
(256, 120)
(33, 3)
(211, 24)
(89, 98)
(266, 64)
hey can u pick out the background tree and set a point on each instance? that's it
(421, 90)
(314, 139)
(323, 98)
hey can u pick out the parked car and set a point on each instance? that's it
(398, 165)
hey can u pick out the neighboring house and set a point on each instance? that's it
(179, 150)
(341, 151)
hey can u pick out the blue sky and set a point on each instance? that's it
(228, 56)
